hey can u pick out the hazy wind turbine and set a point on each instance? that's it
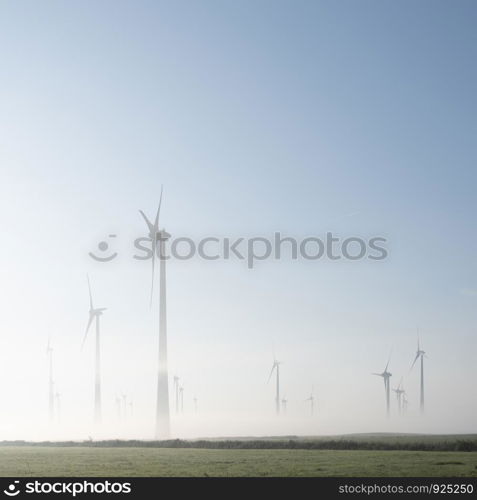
(94, 314)
(311, 399)
(181, 394)
(405, 402)
(284, 405)
(51, 403)
(386, 376)
(162, 402)
(195, 404)
(125, 405)
(176, 391)
(399, 393)
(420, 354)
(58, 405)
(276, 366)
(118, 406)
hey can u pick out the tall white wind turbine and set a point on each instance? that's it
(386, 376)
(276, 368)
(420, 354)
(162, 401)
(95, 314)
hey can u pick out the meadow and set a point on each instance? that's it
(264, 457)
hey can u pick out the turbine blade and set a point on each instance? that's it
(271, 373)
(90, 294)
(389, 359)
(148, 222)
(156, 222)
(415, 359)
(91, 317)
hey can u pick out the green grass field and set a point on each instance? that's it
(134, 461)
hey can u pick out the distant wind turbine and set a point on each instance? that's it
(420, 354)
(51, 403)
(311, 399)
(58, 405)
(125, 405)
(276, 367)
(399, 395)
(181, 394)
(405, 403)
(284, 406)
(195, 404)
(94, 314)
(118, 406)
(386, 376)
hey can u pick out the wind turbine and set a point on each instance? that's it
(118, 406)
(405, 402)
(51, 401)
(284, 405)
(276, 367)
(125, 406)
(176, 391)
(195, 404)
(58, 405)
(386, 376)
(399, 394)
(94, 314)
(153, 234)
(162, 402)
(181, 394)
(311, 399)
(420, 354)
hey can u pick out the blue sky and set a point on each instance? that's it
(299, 117)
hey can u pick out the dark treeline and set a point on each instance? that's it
(291, 444)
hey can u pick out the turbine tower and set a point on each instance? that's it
(284, 406)
(420, 354)
(176, 391)
(162, 401)
(399, 396)
(94, 314)
(58, 406)
(276, 366)
(51, 397)
(181, 394)
(386, 376)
